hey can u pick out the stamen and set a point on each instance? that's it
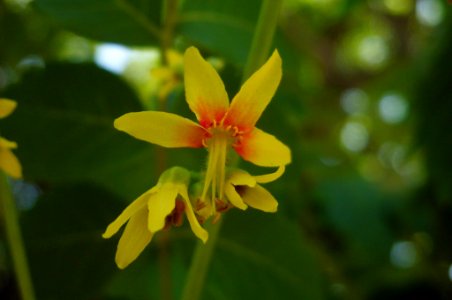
(217, 144)
(222, 166)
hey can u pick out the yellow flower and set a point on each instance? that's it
(243, 190)
(221, 125)
(158, 208)
(8, 161)
(170, 76)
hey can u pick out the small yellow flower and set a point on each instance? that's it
(8, 161)
(222, 125)
(243, 190)
(158, 208)
(170, 76)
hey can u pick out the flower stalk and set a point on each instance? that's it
(260, 47)
(200, 263)
(15, 241)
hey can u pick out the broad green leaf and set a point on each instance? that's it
(131, 22)
(63, 125)
(263, 256)
(66, 252)
(355, 209)
(220, 26)
(227, 29)
(258, 256)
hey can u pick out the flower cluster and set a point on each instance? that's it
(8, 161)
(222, 126)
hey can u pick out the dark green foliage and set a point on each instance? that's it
(341, 214)
(69, 258)
(64, 123)
(123, 21)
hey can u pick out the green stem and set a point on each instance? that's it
(170, 16)
(14, 238)
(261, 44)
(263, 36)
(200, 264)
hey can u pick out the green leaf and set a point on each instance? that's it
(227, 29)
(263, 256)
(434, 107)
(67, 255)
(258, 256)
(356, 210)
(220, 26)
(131, 22)
(64, 128)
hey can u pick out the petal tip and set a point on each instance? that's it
(276, 56)
(204, 237)
(121, 264)
(109, 232)
(190, 51)
(117, 123)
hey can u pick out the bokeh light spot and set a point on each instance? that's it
(398, 7)
(354, 136)
(450, 272)
(393, 108)
(404, 254)
(26, 194)
(19, 4)
(429, 12)
(354, 101)
(112, 57)
(373, 50)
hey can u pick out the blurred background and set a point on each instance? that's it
(365, 104)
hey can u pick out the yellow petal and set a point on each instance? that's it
(9, 163)
(270, 177)
(204, 90)
(259, 198)
(160, 205)
(200, 232)
(6, 107)
(175, 59)
(240, 177)
(161, 128)
(134, 239)
(7, 144)
(255, 94)
(234, 197)
(263, 149)
(127, 213)
(162, 73)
